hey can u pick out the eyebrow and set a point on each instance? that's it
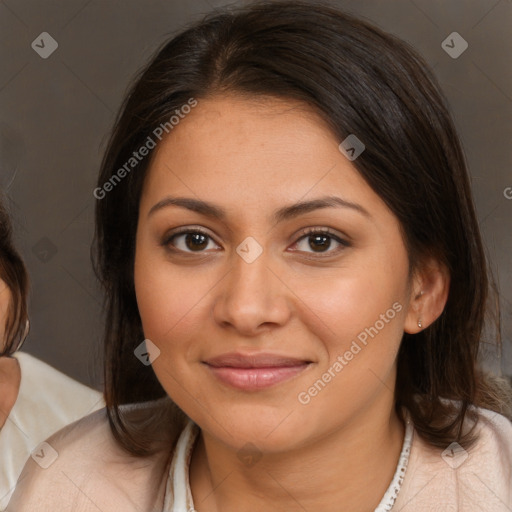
(287, 212)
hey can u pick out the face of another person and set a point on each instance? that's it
(10, 376)
(5, 300)
(220, 317)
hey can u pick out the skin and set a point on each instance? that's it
(10, 375)
(251, 158)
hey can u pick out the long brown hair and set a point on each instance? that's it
(14, 275)
(362, 81)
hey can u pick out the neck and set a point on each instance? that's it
(352, 466)
(10, 379)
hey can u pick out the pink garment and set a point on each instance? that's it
(479, 480)
(92, 473)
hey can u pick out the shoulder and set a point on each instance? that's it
(478, 477)
(83, 468)
(488, 468)
(36, 375)
(496, 432)
(50, 396)
(34, 372)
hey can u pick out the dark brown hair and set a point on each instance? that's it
(14, 275)
(361, 81)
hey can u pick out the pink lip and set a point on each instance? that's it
(256, 371)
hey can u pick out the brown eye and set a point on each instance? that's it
(189, 241)
(320, 241)
(196, 241)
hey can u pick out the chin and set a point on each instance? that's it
(269, 428)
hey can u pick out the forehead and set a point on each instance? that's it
(253, 152)
(235, 126)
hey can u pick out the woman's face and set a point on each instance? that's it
(267, 333)
(5, 300)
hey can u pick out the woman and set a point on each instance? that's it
(285, 231)
(35, 399)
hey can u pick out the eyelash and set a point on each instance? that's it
(304, 234)
(343, 244)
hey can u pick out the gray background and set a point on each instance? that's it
(55, 115)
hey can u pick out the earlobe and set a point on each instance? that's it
(429, 294)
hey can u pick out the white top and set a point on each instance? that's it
(47, 401)
(93, 473)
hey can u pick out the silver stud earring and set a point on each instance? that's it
(420, 324)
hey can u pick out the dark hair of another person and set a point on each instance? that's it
(14, 275)
(361, 81)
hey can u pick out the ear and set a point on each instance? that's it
(429, 293)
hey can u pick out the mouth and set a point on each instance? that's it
(256, 371)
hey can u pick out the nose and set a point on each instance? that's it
(251, 298)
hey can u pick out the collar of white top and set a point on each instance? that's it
(178, 496)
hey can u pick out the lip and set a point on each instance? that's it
(252, 372)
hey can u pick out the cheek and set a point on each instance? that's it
(360, 301)
(361, 329)
(5, 300)
(170, 301)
